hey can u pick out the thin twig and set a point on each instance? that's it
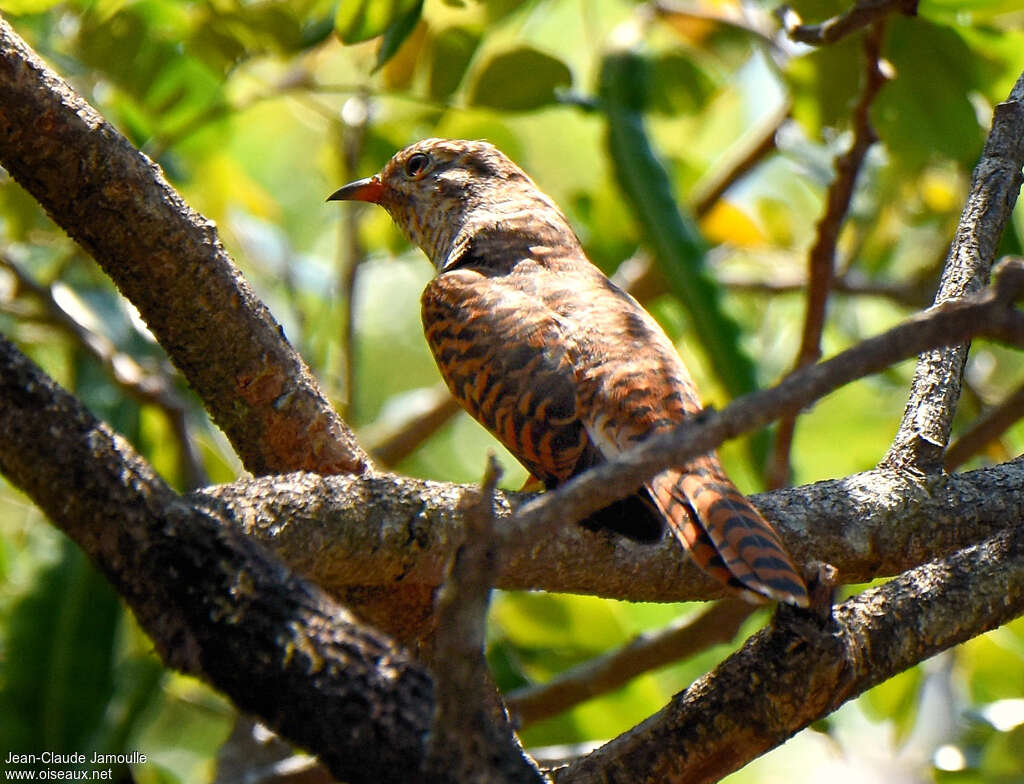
(821, 258)
(145, 386)
(692, 634)
(990, 426)
(914, 294)
(863, 13)
(995, 184)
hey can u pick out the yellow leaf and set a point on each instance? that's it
(939, 192)
(727, 223)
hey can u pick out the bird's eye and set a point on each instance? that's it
(417, 165)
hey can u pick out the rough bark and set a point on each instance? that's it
(800, 669)
(218, 606)
(924, 432)
(167, 259)
(389, 529)
(215, 604)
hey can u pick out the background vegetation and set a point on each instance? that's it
(257, 110)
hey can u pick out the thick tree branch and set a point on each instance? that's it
(822, 256)
(389, 530)
(799, 670)
(924, 432)
(215, 604)
(115, 495)
(168, 261)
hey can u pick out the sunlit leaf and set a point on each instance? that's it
(397, 33)
(728, 223)
(361, 20)
(15, 7)
(453, 48)
(926, 112)
(520, 80)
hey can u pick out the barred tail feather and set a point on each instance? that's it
(725, 535)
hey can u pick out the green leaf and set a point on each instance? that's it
(396, 34)
(520, 80)
(453, 48)
(18, 7)
(926, 112)
(361, 20)
(58, 677)
(825, 83)
(679, 84)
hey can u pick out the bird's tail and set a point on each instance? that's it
(725, 534)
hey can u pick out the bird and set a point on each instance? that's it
(562, 366)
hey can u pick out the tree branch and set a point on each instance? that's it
(215, 604)
(163, 548)
(799, 670)
(716, 624)
(473, 739)
(862, 14)
(168, 261)
(924, 432)
(387, 530)
(821, 258)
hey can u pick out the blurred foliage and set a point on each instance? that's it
(257, 110)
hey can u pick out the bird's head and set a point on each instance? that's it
(448, 194)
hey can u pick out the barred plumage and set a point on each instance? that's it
(563, 367)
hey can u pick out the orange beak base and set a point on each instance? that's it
(369, 189)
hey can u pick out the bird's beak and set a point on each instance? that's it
(369, 189)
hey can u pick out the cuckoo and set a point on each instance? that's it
(566, 369)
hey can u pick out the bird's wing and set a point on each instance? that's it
(507, 359)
